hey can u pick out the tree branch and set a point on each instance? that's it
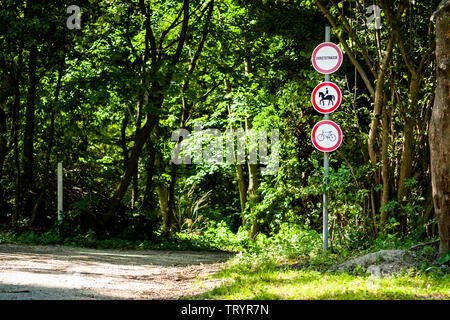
(183, 32)
(199, 47)
(149, 36)
(370, 62)
(353, 60)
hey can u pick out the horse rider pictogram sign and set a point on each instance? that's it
(326, 97)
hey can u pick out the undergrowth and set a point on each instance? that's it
(291, 243)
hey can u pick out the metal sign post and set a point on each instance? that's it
(325, 168)
(326, 135)
(60, 191)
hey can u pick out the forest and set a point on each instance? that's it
(187, 124)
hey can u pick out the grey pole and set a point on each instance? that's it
(60, 191)
(325, 167)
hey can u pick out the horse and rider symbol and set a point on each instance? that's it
(326, 96)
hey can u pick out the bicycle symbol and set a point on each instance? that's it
(329, 135)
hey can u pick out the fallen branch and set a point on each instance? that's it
(420, 245)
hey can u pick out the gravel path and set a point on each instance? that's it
(59, 273)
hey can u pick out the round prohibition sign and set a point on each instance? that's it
(326, 58)
(326, 136)
(326, 97)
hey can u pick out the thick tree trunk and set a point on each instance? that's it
(141, 138)
(440, 128)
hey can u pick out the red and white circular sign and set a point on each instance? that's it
(326, 136)
(326, 97)
(326, 58)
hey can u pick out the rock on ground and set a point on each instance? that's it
(383, 262)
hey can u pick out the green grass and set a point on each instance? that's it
(275, 283)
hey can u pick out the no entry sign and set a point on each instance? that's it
(326, 58)
(326, 97)
(326, 136)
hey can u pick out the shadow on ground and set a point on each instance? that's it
(58, 272)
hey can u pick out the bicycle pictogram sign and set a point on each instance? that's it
(326, 136)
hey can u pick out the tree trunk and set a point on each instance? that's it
(154, 102)
(50, 140)
(172, 221)
(15, 140)
(253, 196)
(28, 140)
(378, 102)
(253, 185)
(3, 144)
(135, 189)
(186, 108)
(149, 164)
(385, 169)
(123, 140)
(3, 149)
(239, 167)
(163, 196)
(14, 131)
(141, 138)
(408, 139)
(242, 188)
(377, 111)
(440, 128)
(161, 189)
(135, 185)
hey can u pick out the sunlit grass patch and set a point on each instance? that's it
(274, 283)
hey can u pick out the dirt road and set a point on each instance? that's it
(58, 273)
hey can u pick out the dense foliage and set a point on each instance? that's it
(105, 99)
